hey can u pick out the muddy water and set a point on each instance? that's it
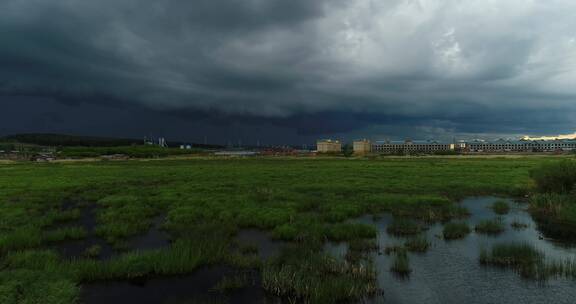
(155, 238)
(450, 272)
(77, 248)
(193, 288)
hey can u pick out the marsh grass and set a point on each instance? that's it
(527, 261)
(243, 261)
(455, 230)
(393, 249)
(308, 230)
(555, 177)
(26, 237)
(207, 200)
(248, 249)
(123, 216)
(554, 207)
(360, 249)
(350, 231)
(428, 208)
(232, 282)
(490, 227)
(512, 255)
(67, 215)
(363, 245)
(401, 227)
(182, 257)
(418, 244)
(501, 207)
(305, 276)
(22, 286)
(65, 233)
(92, 251)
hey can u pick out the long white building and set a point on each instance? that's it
(502, 145)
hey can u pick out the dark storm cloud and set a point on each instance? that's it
(318, 67)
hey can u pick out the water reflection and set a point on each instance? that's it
(450, 272)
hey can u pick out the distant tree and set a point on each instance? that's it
(347, 150)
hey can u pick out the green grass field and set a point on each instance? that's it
(207, 201)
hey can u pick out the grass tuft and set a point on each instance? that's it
(401, 263)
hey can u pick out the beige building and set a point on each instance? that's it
(362, 147)
(329, 146)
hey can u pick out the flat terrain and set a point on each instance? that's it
(202, 204)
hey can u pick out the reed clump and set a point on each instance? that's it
(182, 257)
(401, 263)
(417, 244)
(455, 230)
(65, 233)
(403, 227)
(490, 227)
(363, 245)
(92, 251)
(501, 207)
(24, 238)
(518, 225)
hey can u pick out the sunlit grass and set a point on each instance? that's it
(306, 201)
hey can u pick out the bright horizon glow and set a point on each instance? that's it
(565, 136)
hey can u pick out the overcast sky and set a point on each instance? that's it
(288, 71)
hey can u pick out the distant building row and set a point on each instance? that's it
(365, 146)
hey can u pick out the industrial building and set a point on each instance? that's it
(329, 146)
(411, 146)
(362, 147)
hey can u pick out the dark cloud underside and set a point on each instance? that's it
(323, 67)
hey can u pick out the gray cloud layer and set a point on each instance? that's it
(466, 66)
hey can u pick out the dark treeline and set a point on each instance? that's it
(61, 140)
(69, 140)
